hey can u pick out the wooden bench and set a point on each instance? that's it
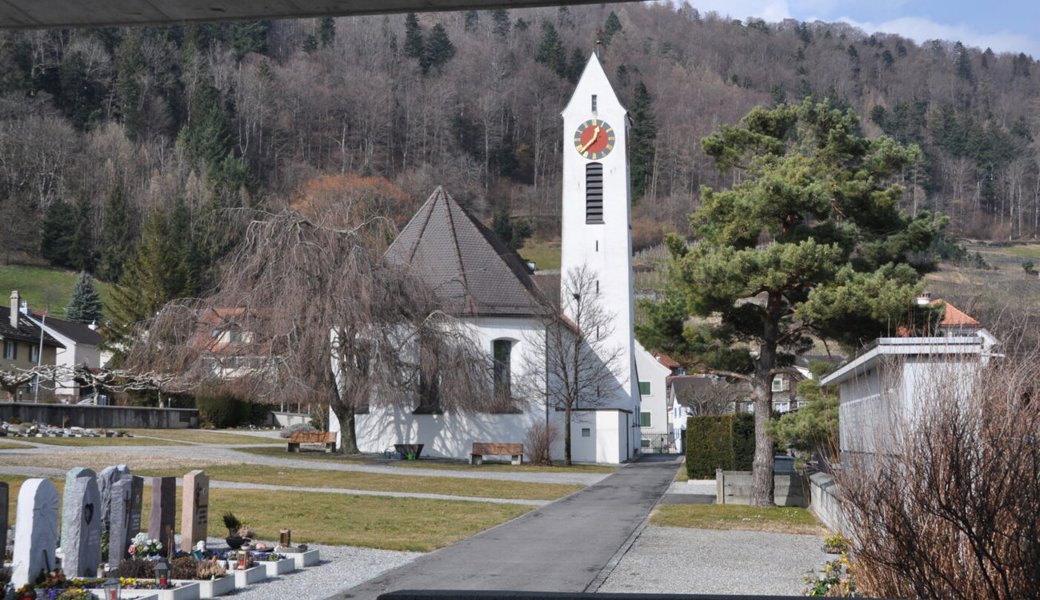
(482, 449)
(323, 438)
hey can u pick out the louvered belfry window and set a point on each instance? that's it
(594, 192)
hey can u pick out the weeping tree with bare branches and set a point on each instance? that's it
(308, 310)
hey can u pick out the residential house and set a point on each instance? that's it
(882, 389)
(655, 426)
(23, 342)
(80, 349)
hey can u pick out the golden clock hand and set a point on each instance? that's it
(595, 136)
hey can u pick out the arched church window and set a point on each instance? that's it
(502, 351)
(594, 193)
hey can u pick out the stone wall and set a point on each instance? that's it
(101, 417)
(734, 487)
(826, 502)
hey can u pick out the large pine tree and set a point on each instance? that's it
(116, 244)
(808, 243)
(85, 306)
(644, 137)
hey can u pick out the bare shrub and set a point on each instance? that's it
(540, 438)
(951, 510)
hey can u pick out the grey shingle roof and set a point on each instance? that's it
(468, 267)
(81, 333)
(27, 331)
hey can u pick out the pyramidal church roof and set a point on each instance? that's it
(466, 265)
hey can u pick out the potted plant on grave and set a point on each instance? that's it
(236, 532)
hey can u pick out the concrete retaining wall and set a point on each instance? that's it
(826, 502)
(287, 419)
(101, 417)
(734, 487)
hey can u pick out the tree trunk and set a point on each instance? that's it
(348, 428)
(567, 436)
(762, 466)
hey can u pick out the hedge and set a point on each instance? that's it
(223, 409)
(724, 442)
(709, 445)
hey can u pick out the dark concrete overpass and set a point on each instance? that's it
(33, 14)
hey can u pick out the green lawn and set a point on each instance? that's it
(11, 446)
(374, 522)
(546, 255)
(731, 516)
(203, 436)
(430, 464)
(45, 288)
(352, 480)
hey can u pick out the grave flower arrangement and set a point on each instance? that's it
(142, 546)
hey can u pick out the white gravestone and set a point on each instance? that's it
(81, 524)
(36, 531)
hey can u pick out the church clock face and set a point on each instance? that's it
(594, 139)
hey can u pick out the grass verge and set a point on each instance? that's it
(544, 254)
(12, 446)
(428, 464)
(202, 436)
(317, 478)
(729, 516)
(373, 522)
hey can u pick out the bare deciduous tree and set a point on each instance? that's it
(951, 508)
(573, 362)
(308, 312)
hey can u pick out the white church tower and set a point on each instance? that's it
(596, 229)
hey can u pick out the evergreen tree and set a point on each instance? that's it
(413, 37)
(129, 69)
(326, 31)
(514, 234)
(612, 26)
(249, 36)
(116, 243)
(438, 49)
(310, 43)
(470, 21)
(644, 136)
(837, 264)
(963, 62)
(500, 16)
(208, 140)
(85, 306)
(576, 65)
(59, 232)
(83, 248)
(156, 274)
(550, 50)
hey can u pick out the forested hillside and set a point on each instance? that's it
(121, 138)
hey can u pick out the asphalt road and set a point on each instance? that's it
(569, 546)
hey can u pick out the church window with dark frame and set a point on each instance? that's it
(594, 193)
(502, 352)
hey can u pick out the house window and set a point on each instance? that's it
(782, 407)
(10, 350)
(594, 193)
(429, 379)
(502, 351)
(644, 388)
(778, 384)
(235, 336)
(586, 432)
(594, 103)
(644, 419)
(34, 353)
(644, 443)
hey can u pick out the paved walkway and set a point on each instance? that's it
(570, 545)
(219, 453)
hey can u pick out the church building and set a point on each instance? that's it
(491, 290)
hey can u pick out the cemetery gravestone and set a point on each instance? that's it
(164, 509)
(81, 524)
(3, 514)
(119, 520)
(105, 479)
(36, 531)
(136, 503)
(194, 509)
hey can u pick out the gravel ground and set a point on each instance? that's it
(341, 567)
(673, 560)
